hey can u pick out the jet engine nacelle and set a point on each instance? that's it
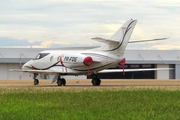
(74, 60)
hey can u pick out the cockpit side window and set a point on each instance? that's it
(41, 55)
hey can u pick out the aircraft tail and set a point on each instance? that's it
(117, 43)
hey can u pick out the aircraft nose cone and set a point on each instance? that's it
(28, 64)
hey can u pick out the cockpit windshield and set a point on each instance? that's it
(41, 55)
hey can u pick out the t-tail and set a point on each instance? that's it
(117, 43)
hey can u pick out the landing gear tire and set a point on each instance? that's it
(61, 82)
(36, 81)
(96, 82)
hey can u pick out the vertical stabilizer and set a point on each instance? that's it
(121, 36)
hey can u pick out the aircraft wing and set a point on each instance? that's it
(34, 71)
(103, 71)
(132, 70)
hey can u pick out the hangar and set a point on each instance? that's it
(14, 58)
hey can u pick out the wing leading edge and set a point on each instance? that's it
(34, 71)
(103, 71)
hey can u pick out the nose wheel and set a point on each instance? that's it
(36, 81)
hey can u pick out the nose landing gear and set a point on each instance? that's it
(36, 81)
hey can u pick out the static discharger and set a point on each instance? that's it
(88, 61)
(122, 63)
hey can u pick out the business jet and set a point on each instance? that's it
(84, 62)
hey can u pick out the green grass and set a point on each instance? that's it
(93, 105)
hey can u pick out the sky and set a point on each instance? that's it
(72, 23)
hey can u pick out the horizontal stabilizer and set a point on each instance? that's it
(132, 70)
(135, 41)
(107, 41)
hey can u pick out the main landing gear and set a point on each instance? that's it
(95, 80)
(36, 81)
(61, 81)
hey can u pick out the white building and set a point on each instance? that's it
(14, 58)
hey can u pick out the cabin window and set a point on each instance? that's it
(51, 59)
(58, 59)
(41, 55)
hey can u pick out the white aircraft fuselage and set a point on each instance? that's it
(71, 62)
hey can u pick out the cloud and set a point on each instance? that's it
(165, 47)
(70, 23)
(7, 42)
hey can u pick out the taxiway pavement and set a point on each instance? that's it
(105, 83)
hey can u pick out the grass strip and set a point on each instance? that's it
(107, 104)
